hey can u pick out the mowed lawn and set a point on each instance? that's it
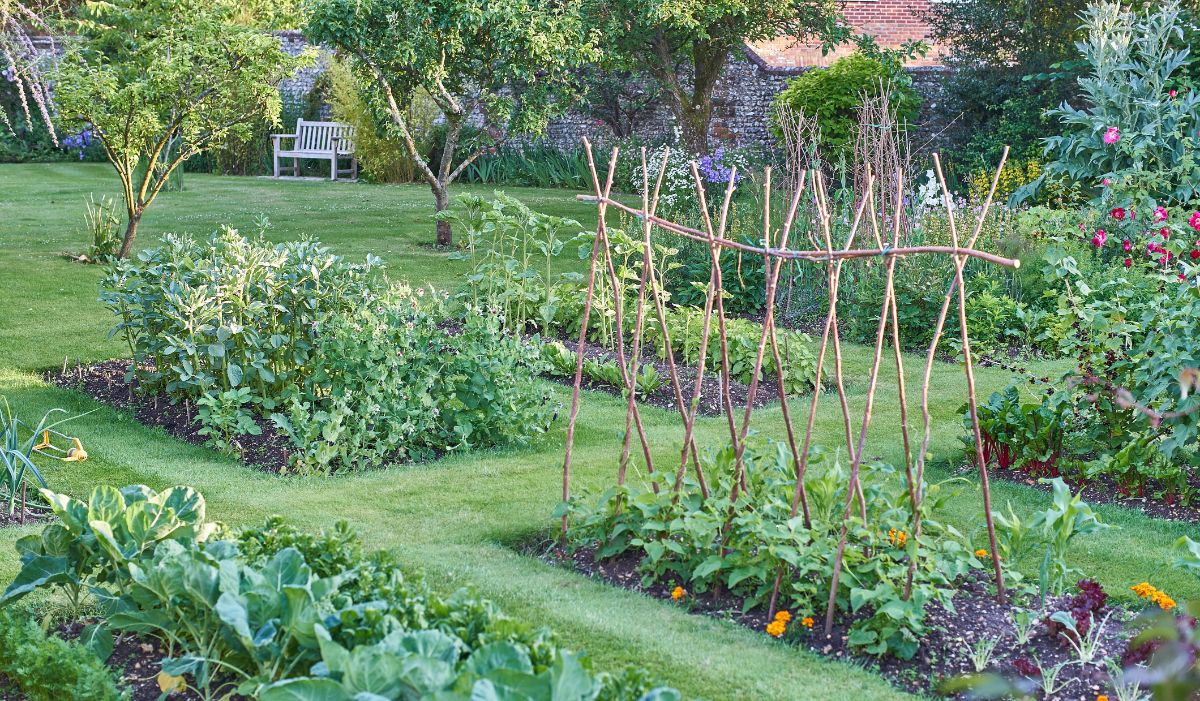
(456, 520)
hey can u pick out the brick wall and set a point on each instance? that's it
(891, 22)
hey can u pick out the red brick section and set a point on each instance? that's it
(891, 22)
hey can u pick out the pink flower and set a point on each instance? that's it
(1173, 93)
(1112, 136)
(1128, 262)
(1160, 214)
(1165, 233)
(1127, 246)
(1181, 277)
(1194, 254)
(1106, 182)
(1118, 213)
(1194, 221)
(1099, 238)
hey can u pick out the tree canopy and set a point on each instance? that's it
(503, 67)
(685, 44)
(159, 81)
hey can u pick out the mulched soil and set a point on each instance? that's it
(137, 662)
(664, 397)
(30, 516)
(945, 649)
(1104, 490)
(105, 382)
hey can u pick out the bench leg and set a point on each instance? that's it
(333, 167)
(354, 167)
(296, 167)
(276, 164)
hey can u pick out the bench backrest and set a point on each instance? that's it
(324, 136)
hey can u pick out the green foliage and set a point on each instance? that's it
(660, 37)
(102, 226)
(47, 668)
(471, 57)
(686, 326)
(992, 46)
(17, 470)
(392, 383)
(1048, 533)
(1131, 130)
(93, 541)
(834, 95)
(382, 154)
(512, 251)
(1022, 436)
(532, 166)
(160, 82)
(223, 416)
(276, 613)
(739, 545)
(1126, 318)
(230, 312)
(249, 330)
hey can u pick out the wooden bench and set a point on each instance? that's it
(329, 141)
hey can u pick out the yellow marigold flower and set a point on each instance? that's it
(776, 628)
(981, 553)
(897, 538)
(1102, 697)
(783, 616)
(678, 593)
(807, 622)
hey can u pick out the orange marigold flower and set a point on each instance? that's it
(776, 628)
(981, 553)
(678, 593)
(807, 622)
(897, 538)
(1144, 590)
(1164, 602)
(1102, 697)
(783, 616)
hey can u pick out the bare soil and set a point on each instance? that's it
(105, 382)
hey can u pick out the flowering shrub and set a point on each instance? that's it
(1126, 301)
(1137, 130)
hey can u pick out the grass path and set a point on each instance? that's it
(455, 520)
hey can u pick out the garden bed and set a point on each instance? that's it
(30, 516)
(664, 396)
(105, 383)
(1104, 490)
(136, 661)
(945, 649)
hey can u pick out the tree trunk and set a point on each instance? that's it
(441, 196)
(695, 116)
(135, 218)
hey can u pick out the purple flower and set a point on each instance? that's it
(713, 168)
(11, 74)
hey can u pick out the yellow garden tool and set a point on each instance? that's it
(74, 451)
